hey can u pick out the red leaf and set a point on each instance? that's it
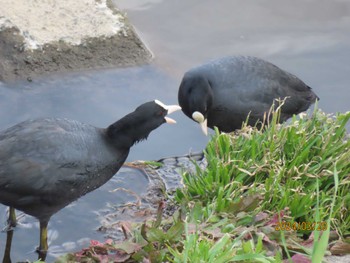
(276, 218)
(309, 242)
(261, 216)
(109, 241)
(95, 243)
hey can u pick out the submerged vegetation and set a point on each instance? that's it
(273, 194)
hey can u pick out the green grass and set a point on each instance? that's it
(283, 164)
(301, 168)
(255, 179)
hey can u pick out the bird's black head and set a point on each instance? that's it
(137, 125)
(196, 97)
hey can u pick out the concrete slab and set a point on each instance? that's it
(38, 37)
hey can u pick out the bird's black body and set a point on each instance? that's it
(48, 163)
(226, 90)
(45, 164)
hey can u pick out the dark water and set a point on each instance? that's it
(310, 38)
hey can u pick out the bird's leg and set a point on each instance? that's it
(42, 250)
(12, 221)
(7, 252)
(42, 255)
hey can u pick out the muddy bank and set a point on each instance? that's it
(17, 61)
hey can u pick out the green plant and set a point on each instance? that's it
(283, 164)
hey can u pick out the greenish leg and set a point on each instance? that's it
(43, 237)
(43, 247)
(12, 221)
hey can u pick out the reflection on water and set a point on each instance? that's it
(309, 38)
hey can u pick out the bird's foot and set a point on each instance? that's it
(42, 253)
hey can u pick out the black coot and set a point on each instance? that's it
(223, 92)
(46, 164)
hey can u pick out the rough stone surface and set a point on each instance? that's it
(17, 61)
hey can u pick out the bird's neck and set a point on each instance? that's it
(124, 132)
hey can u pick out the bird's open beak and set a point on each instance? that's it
(169, 120)
(170, 109)
(204, 127)
(198, 117)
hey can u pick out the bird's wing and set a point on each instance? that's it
(36, 156)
